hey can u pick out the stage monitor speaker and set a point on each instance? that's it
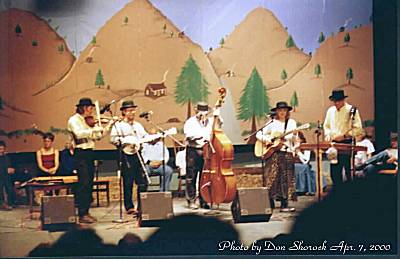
(251, 205)
(156, 208)
(57, 212)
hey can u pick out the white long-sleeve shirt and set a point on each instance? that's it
(193, 128)
(154, 152)
(126, 132)
(78, 127)
(275, 129)
(338, 122)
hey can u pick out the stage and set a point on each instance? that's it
(19, 234)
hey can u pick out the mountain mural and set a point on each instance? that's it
(140, 54)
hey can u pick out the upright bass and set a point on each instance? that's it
(218, 182)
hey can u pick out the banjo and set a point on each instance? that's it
(131, 144)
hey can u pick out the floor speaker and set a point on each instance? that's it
(155, 208)
(57, 212)
(251, 205)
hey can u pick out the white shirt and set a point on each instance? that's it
(338, 122)
(275, 129)
(126, 132)
(180, 161)
(363, 155)
(154, 152)
(393, 152)
(193, 128)
(78, 127)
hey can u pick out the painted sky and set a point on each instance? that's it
(204, 21)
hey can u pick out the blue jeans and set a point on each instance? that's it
(376, 163)
(166, 180)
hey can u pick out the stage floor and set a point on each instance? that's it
(19, 233)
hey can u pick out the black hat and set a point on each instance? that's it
(202, 107)
(280, 105)
(85, 102)
(337, 95)
(128, 104)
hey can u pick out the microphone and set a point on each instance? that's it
(106, 107)
(145, 114)
(353, 111)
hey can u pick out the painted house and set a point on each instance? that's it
(155, 90)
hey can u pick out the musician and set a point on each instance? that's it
(279, 170)
(6, 170)
(83, 139)
(124, 133)
(154, 153)
(338, 128)
(198, 130)
(48, 157)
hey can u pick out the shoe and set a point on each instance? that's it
(310, 194)
(92, 217)
(288, 209)
(205, 206)
(194, 206)
(5, 206)
(131, 211)
(86, 219)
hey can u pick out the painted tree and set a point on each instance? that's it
(294, 101)
(99, 79)
(94, 41)
(191, 86)
(1, 103)
(164, 28)
(61, 48)
(126, 20)
(317, 70)
(18, 30)
(346, 39)
(254, 102)
(284, 75)
(222, 42)
(321, 37)
(349, 75)
(290, 42)
(35, 43)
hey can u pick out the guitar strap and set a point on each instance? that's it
(286, 123)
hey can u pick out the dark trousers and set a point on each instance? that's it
(336, 169)
(194, 168)
(7, 186)
(132, 172)
(84, 162)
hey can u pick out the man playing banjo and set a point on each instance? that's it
(129, 134)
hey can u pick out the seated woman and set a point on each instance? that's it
(305, 176)
(47, 157)
(362, 156)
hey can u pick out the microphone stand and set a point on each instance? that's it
(262, 146)
(319, 161)
(119, 170)
(353, 145)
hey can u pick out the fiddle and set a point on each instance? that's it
(91, 121)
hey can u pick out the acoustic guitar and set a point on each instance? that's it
(267, 150)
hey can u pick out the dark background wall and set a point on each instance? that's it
(385, 13)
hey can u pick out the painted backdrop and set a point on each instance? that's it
(168, 55)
